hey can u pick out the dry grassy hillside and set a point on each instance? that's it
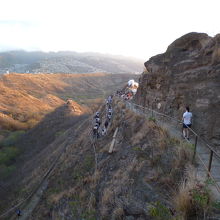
(25, 157)
(26, 98)
(137, 181)
(145, 177)
(38, 102)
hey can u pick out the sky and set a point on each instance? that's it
(135, 28)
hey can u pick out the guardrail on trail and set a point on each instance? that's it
(173, 125)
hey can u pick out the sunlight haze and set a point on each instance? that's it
(138, 28)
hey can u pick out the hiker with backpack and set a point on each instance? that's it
(103, 131)
(98, 121)
(110, 109)
(96, 115)
(109, 116)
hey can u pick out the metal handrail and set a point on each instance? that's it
(197, 136)
(179, 121)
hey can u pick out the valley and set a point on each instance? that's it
(26, 98)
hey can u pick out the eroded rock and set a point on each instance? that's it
(187, 74)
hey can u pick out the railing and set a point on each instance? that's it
(174, 126)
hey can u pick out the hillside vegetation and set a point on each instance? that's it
(34, 114)
(26, 98)
(26, 156)
(137, 181)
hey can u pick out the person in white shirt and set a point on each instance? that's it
(103, 131)
(187, 123)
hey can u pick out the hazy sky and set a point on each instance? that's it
(138, 28)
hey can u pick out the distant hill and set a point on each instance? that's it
(66, 62)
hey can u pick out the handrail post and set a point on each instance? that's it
(210, 162)
(195, 146)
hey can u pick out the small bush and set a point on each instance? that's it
(193, 198)
(88, 163)
(138, 149)
(118, 213)
(7, 154)
(200, 196)
(59, 133)
(89, 215)
(12, 138)
(152, 119)
(160, 211)
(31, 123)
(12, 125)
(5, 171)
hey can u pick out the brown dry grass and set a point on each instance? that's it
(118, 213)
(21, 94)
(108, 196)
(55, 197)
(183, 155)
(167, 157)
(9, 123)
(182, 198)
(105, 188)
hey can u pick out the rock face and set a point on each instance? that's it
(187, 74)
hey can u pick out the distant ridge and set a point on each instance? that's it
(67, 62)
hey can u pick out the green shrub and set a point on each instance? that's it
(201, 198)
(58, 133)
(89, 215)
(12, 138)
(5, 171)
(137, 148)
(7, 154)
(160, 211)
(216, 205)
(88, 163)
(152, 119)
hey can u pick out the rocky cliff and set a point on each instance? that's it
(188, 73)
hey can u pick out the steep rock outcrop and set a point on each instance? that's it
(188, 73)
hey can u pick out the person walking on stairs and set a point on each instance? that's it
(187, 122)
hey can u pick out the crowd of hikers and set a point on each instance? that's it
(128, 95)
(99, 129)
